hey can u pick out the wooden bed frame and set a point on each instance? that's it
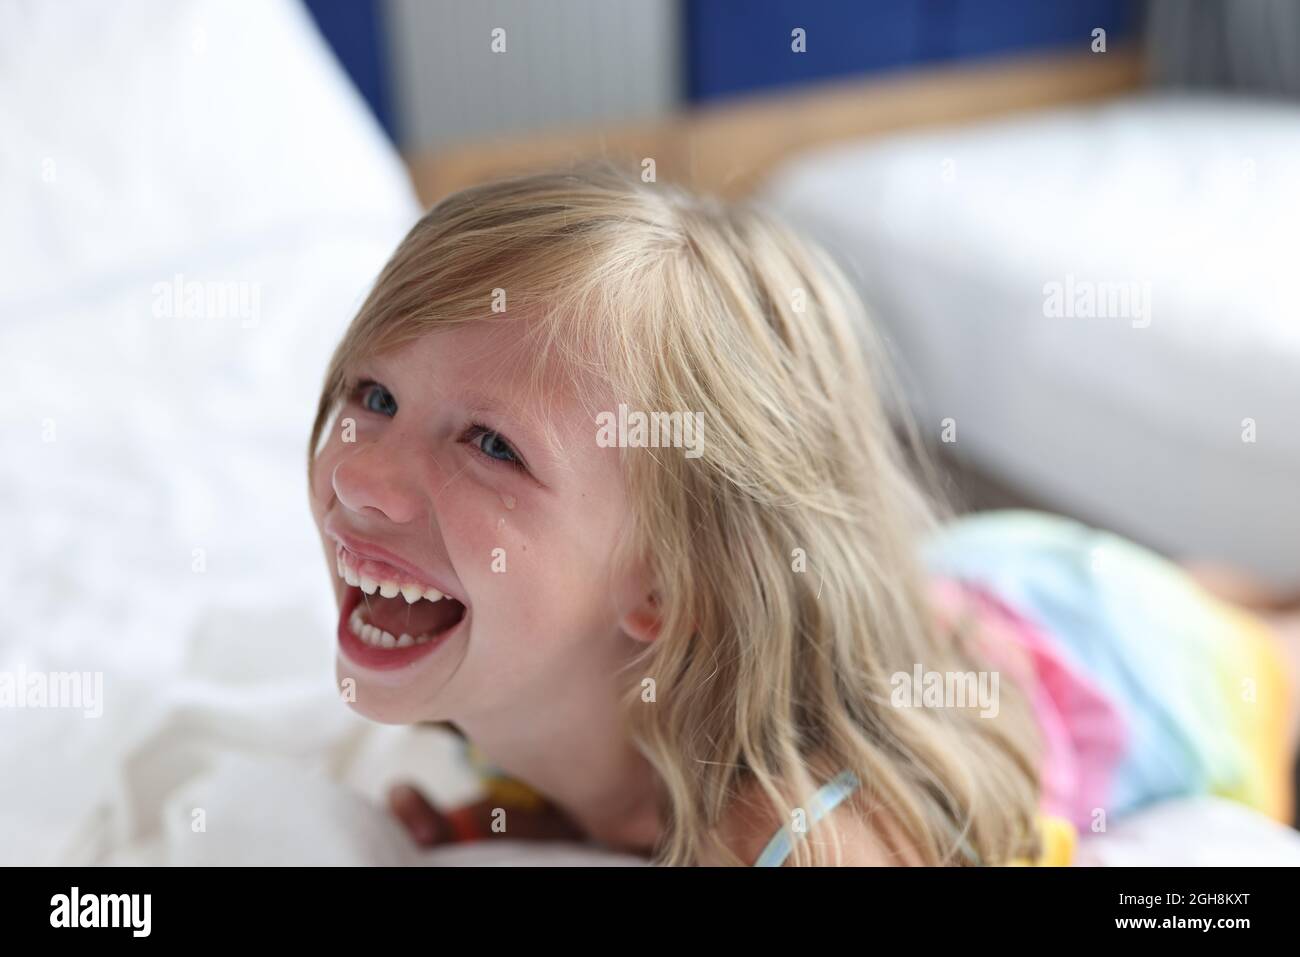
(728, 149)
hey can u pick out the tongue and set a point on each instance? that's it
(397, 617)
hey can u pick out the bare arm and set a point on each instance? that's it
(429, 826)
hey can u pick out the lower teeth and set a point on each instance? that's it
(377, 637)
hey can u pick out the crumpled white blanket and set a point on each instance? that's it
(264, 811)
(274, 812)
(152, 459)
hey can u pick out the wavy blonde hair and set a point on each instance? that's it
(769, 679)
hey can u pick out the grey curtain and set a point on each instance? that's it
(1246, 45)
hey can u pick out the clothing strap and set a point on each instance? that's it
(828, 796)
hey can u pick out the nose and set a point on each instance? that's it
(382, 476)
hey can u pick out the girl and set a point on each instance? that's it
(755, 647)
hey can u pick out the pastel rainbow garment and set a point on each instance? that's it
(1145, 686)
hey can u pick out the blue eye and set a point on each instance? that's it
(494, 446)
(375, 398)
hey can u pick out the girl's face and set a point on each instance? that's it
(439, 476)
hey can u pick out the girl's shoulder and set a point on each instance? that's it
(864, 837)
(870, 837)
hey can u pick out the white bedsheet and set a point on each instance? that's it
(314, 820)
(1133, 421)
(152, 485)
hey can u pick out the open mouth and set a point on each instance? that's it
(383, 623)
(387, 618)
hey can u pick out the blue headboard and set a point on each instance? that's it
(354, 30)
(737, 46)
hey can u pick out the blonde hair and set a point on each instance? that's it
(768, 680)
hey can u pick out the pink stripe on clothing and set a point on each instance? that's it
(1083, 733)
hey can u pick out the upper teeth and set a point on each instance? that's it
(387, 589)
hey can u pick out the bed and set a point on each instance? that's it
(1165, 406)
(193, 214)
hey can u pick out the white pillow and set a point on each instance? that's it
(136, 134)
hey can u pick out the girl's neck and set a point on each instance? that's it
(633, 828)
(598, 779)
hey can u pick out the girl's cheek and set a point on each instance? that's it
(319, 483)
(487, 525)
(322, 470)
(486, 540)
(322, 478)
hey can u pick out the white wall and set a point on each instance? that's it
(567, 63)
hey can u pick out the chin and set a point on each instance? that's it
(379, 702)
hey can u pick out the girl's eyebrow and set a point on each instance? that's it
(485, 402)
(482, 402)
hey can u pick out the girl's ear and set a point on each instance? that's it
(643, 621)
